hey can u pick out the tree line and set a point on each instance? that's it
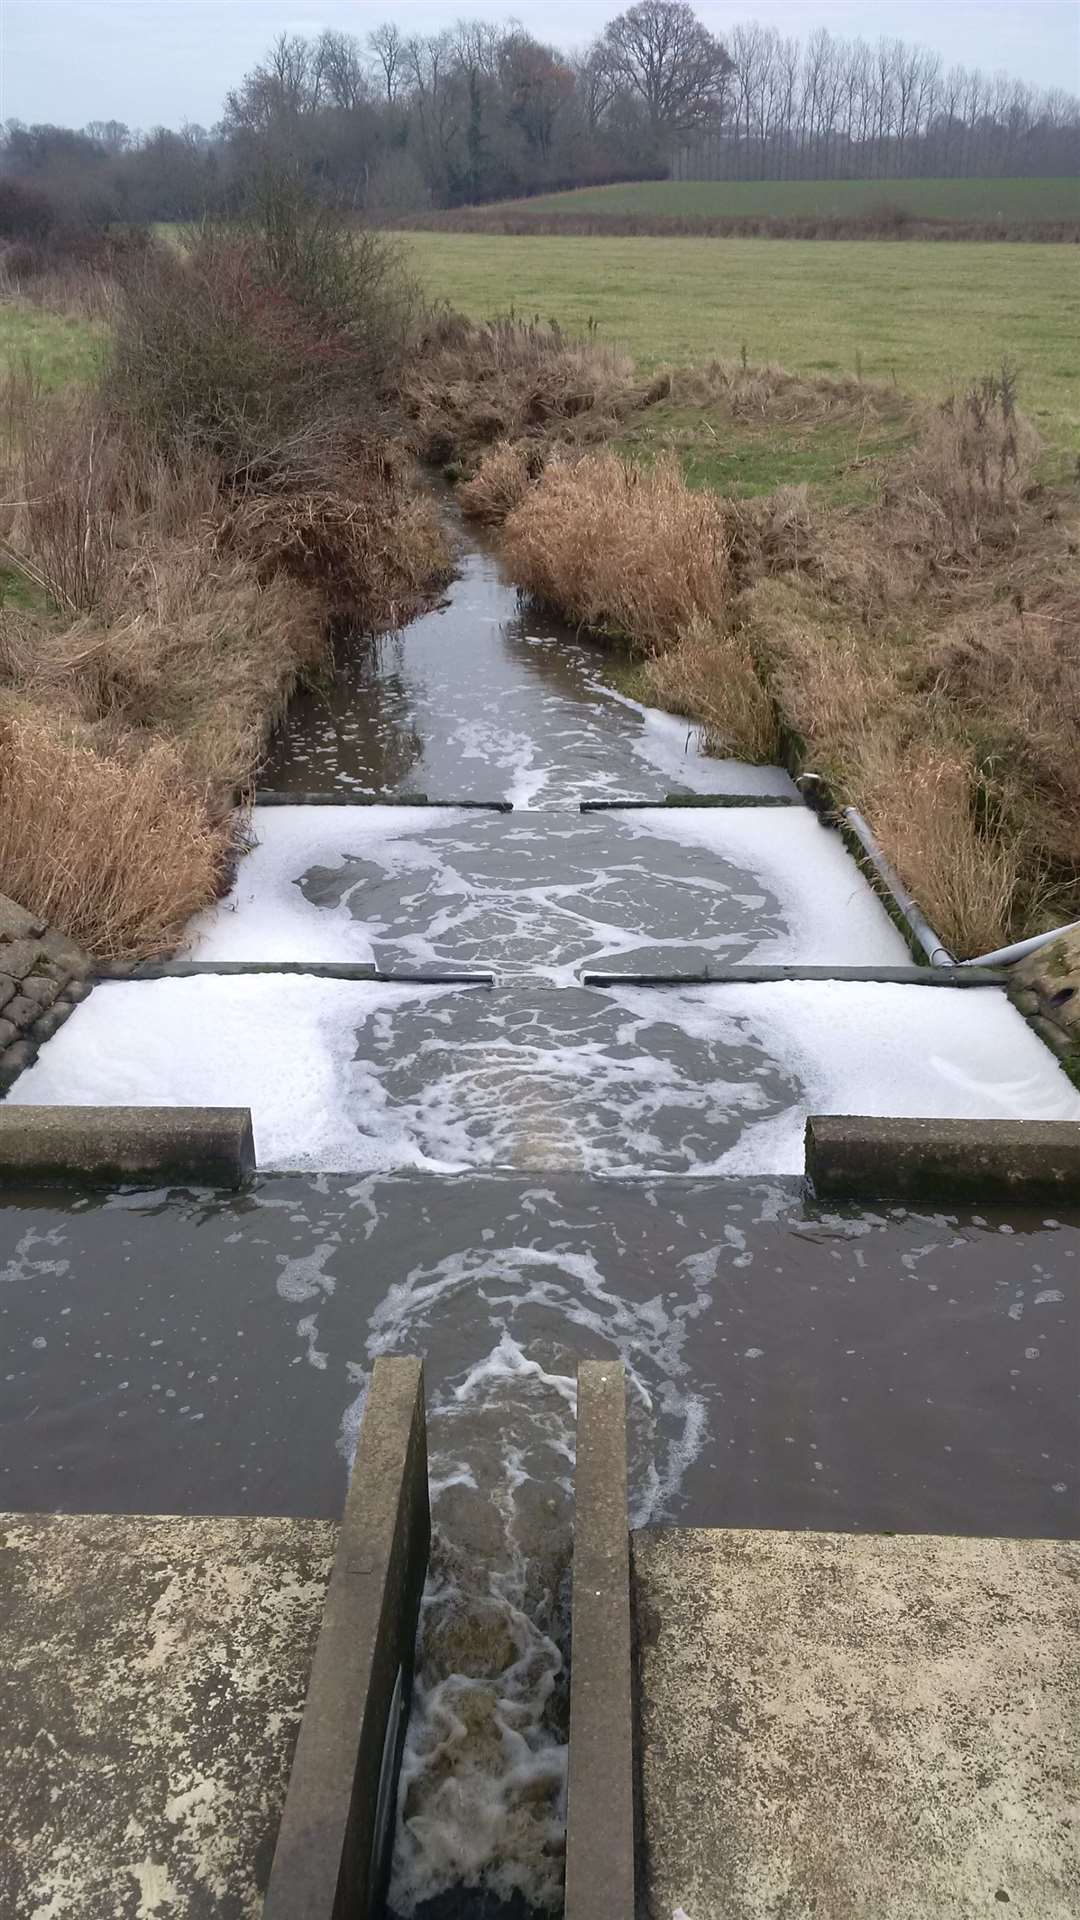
(399, 122)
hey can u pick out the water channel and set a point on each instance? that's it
(509, 1175)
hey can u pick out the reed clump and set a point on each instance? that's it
(628, 551)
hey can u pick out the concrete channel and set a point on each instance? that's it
(602, 1110)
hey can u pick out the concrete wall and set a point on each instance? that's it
(600, 1828)
(333, 1849)
(856, 1157)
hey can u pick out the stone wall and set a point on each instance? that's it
(43, 976)
(1047, 991)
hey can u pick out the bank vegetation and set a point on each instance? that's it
(179, 537)
(918, 648)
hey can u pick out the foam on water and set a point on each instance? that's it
(831, 915)
(547, 895)
(348, 1076)
(864, 1048)
(483, 1781)
(268, 916)
(282, 1045)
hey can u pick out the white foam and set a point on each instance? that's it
(267, 917)
(675, 748)
(833, 916)
(283, 1045)
(862, 1048)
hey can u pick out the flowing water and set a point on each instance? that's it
(509, 1175)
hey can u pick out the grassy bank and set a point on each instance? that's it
(921, 316)
(909, 633)
(178, 532)
(58, 348)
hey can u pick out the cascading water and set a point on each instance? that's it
(509, 1179)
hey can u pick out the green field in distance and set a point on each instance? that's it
(928, 315)
(1010, 200)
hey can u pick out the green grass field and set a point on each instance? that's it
(1013, 200)
(59, 347)
(927, 315)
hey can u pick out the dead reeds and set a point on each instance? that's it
(180, 537)
(115, 849)
(919, 651)
(628, 551)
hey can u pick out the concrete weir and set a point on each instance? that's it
(953, 1161)
(211, 1146)
(333, 1849)
(600, 1837)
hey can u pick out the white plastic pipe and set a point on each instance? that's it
(1004, 956)
(914, 919)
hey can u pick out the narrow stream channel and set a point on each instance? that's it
(507, 1177)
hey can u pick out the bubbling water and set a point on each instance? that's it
(483, 1782)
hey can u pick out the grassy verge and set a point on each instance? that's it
(177, 533)
(921, 317)
(906, 628)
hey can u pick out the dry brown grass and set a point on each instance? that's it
(710, 675)
(626, 550)
(470, 385)
(173, 617)
(500, 483)
(765, 392)
(191, 648)
(117, 851)
(370, 544)
(919, 651)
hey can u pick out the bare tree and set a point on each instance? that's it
(343, 79)
(662, 54)
(388, 50)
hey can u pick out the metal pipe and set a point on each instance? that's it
(914, 919)
(1005, 956)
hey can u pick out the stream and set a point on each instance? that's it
(511, 1172)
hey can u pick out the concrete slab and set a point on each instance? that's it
(93, 1145)
(856, 1158)
(858, 1727)
(152, 1674)
(333, 1850)
(600, 1837)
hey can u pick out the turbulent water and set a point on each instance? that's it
(508, 1176)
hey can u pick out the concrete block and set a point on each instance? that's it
(852, 1157)
(858, 1727)
(153, 1674)
(210, 1146)
(333, 1849)
(600, 1828)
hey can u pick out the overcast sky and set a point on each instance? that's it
(165, 61)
